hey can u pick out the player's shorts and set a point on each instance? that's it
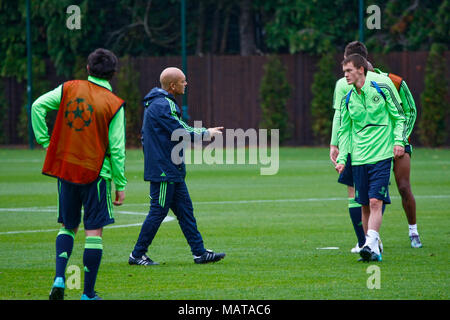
(408, 149)
(95, 198)
(372, 181)
(346, 177)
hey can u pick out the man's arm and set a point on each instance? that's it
(47, 102)
(409, 108)
(393, 98)
(398, 119)
(344, 133)
(397, 116)
(335, 127)
(117, 149)
(169, 119)
(340, 90)
(334, 143)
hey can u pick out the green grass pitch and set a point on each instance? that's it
(269, 226)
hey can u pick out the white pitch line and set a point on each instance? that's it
(30, 209)
(132, 213)
(166, 219)
(289, 200)
(52, 209)
(308, 200)
(269, 200)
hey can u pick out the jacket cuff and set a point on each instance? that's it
(341, 161)
(120, 188)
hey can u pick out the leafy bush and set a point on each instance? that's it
(128, 90)
(3, 114)
(322, 103)
(275, 91)
(40, 86)
(434, 99)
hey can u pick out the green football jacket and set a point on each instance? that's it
(408, 104)
(371, 123)
(406, 98)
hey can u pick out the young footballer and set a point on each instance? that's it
(85, 152)
(372, 132)
(401, 165)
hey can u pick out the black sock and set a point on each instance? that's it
(354, 209)
(91, 259)
(64, 246)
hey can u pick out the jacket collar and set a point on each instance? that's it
(365, 86)
(167, 94)
(100, 82)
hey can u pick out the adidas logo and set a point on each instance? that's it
(64, 255)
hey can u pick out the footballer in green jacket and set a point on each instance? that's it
(401, 167)
(372, 131)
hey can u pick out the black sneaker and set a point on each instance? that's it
(368, 255)
(209, 256)
(143, 261)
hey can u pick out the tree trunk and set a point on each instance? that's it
(226, 23)
(200, 29)
(216, 27)
(247, 29)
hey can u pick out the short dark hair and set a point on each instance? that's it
(356, 47)
(357, 60)
(102, 64)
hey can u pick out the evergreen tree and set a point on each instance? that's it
(434, 99)
(321, 105)
(274, 92)
(128, 90)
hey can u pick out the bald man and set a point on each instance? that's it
(173, 80)
(168, 189)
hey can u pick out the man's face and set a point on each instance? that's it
(180, 84)
(352, 74)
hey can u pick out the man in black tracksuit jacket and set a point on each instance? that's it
(166, 173)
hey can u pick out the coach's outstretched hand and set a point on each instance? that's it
(120, 197)
(215, 131)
